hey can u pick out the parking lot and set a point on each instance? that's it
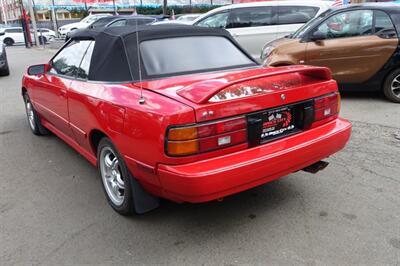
(53, 211)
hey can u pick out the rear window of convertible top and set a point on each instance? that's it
(164, 57)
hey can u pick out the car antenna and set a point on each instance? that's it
(141, 99)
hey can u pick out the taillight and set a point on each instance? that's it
(326, 108)
(195, 139)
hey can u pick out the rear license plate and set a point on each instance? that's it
(277, 122)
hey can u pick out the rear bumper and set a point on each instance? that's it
(222, 176)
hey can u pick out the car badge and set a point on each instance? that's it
(283, 96)
(206, 114)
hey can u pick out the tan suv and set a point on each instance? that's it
(358, 43)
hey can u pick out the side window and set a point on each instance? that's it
(384, 27)
(14, 30)
(83, 71)
(143, 21)
(295, 14)
(218, 20)
(101, 22)
(348, 24)
(118, 23)
(251, 17)
(68, 60)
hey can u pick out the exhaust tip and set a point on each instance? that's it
(316, 167)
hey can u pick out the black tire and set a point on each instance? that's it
(35, 125)
(42, 40)
(391, 87)
(135, 199)
(5, 71)
(8, 41)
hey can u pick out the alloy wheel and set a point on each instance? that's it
(111, 176)
(31, 115)
(396, 86)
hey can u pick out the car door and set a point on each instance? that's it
(252, 27)
(51, 95)
(356, 44)
(16, 34)
(82, 100)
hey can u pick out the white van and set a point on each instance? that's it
(254, 24)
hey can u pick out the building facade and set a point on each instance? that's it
(10, 11)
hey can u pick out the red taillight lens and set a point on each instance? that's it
(221, 127)
(326, 108)
(212, 136)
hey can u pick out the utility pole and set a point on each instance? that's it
(53, 15)
(165, 10)
(115, 8)
(33, 18)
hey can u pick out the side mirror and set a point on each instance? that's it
(38, 69)
(318, 36)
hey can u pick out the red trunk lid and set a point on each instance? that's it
(230, 93)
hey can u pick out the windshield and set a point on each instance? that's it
(190, 55)
(304, 29)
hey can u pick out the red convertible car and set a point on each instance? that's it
(182, 113)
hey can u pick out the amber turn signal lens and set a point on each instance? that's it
(176, 148)
(184, 133)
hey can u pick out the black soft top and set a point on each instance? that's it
(115, 54)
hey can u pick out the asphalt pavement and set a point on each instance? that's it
(53, 211)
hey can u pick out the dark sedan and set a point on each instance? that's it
(118, 21)
(4, 69)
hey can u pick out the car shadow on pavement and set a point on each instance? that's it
(236, 210)
(363, 95)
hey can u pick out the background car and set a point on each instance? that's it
(194, 124)
(117, 21)
(45, 35)
(12, 35)
(4, 69)
(84, 23)
(15, 35)
(360, 44)
(187, 17)
(112, 21)
(254, 24)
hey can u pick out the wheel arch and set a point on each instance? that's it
(386, 75)
(8, 38)
(95, 137)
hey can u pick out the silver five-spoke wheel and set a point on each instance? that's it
(111, 174)
(30, 113)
